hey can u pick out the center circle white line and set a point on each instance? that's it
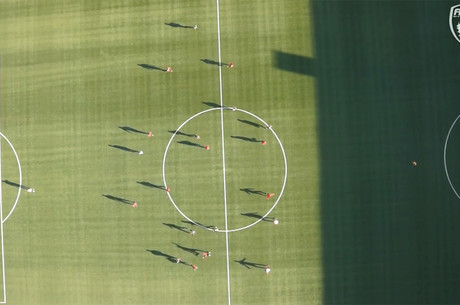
(282, 188)
(445, 157)
(20, 177)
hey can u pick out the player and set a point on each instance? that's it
(195, 268)
(134, 205)
(169, 69)
(178, 260)
(150, 134)
(207, 147)
(192, 232)
(267, 270)
(197, 136)
(195, 27)
(270, 195)
(205, 255)
(231, 65)
(30, 190)
(276, 221)
(140, 152)
(263, 142)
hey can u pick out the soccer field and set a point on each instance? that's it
(326, 107)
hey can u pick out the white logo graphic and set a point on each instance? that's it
(454, 21)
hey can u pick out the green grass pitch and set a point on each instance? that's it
(81, 83)
(355, 90)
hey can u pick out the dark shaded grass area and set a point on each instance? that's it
(388, 82)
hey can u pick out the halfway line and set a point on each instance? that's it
(223, 151)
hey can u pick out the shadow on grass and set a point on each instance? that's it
(212, 105)
(388, 229)
(250, 265)
(124, 148)
(179, 228)
(119, 199)
(294, 63)
(168, 257)
(180, 133)
(251, 191)
(151, 185)
(188, 143)
(130, 130)
(258, 216)
(178, 25)
(247, 139)
(212, 62)
(193, 251)
(151, 67)
(251, 123)
(15, 184)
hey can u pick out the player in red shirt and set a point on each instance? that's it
(194, 267)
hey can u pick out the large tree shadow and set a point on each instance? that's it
(251, 123)
(130, 130)
(118, 199)
(188, 143)
(178, 25)
(251, 191)
(389, 230)
(124, 148)
(179, 228)
(151, 185)
(15, 184)
(151, 67)
(250, 265)
(258, 216)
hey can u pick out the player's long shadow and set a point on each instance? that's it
(197, 223)
(148, 184)
(247, 139)
(174, 226)
(130, 129)
(124, 148)
(254, 124)
(170, 258)
(180, 133)
(255, 215)
(190, 144)
(119, 199)
(151, 67)
(178, 25)
(212, 62)
(251, 191)
(194, 251)
(212, 105)
(248, 265)
(15, 184)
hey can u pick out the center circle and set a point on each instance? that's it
(265, 125)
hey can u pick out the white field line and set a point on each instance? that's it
(1, 212)
(223, 152)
